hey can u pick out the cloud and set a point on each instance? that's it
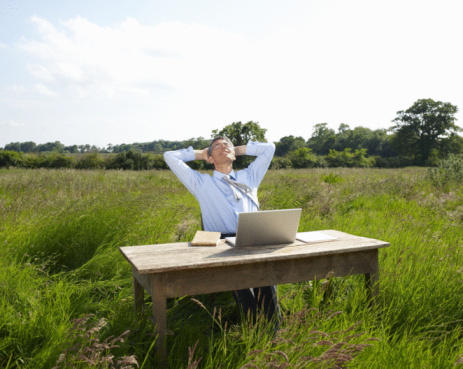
(44, 90)
(11, 123)
(16, 89)
(91, 60)
(134, 80)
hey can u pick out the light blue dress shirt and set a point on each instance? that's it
(219, 208)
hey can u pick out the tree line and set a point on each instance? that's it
(422, 135)
(156, 147)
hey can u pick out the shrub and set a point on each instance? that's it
(196, 165)
(279, 162)
(347, 158)
(332, 178)
(49, 160)
(11, 159)
(450, 170)
(392, 162)
(303, 158)
(90, 161)
(159, 162)
(134, 160)
(121, 161)
(56, 160)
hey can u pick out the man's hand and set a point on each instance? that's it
(201, 154)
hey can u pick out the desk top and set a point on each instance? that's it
(180, 256)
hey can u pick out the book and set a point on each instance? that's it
(204, 238)
(315, 236)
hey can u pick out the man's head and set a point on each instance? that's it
(221, 151)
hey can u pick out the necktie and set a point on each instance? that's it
(241, 187)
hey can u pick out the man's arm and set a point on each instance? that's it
(264, 152)
(201, 154)
(240, 150)
(176, 162)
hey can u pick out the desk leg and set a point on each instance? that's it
(138, 295)
(371, 279)
(159, 299)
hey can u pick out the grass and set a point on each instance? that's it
(66, 292)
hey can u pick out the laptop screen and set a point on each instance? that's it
(268, 227)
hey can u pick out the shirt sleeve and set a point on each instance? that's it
(176, 162)
(257, 169)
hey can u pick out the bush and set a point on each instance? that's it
(450, 170)
(122, 160)
(90, 161)
(11, 159)
(159, 162)
(55, 160)
(134, 160)
(332, 178)
(303, 158)
(392, 162)
(347, 158)
(279, 162)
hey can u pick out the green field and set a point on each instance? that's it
(66, 291)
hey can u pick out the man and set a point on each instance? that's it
(221, 200)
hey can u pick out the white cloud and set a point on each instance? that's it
(11, 123)
(22, 91)
(44, 90)
(16, 89)
(132, 58)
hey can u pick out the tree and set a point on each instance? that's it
(51, 146)
(451, 145)
(28, 146)
(197, 143)
(74, 149)
(343, 128)
(420, 129)
(13, 146)
(240, 133)
(287, 144)
(322, 140)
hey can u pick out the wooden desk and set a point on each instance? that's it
(179, 269)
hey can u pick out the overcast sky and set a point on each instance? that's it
(124, 71)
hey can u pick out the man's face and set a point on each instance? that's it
(222, 152)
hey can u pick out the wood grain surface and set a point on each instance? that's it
(175, 256)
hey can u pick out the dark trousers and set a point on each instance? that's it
(262, 299)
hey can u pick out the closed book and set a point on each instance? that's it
(204, 238)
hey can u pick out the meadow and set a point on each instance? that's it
(66, 297)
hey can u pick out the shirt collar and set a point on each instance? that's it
(219, 175)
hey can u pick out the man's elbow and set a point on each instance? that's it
(271, 146)
(167, 158)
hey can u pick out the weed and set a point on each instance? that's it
(86, 350)
(449, 170)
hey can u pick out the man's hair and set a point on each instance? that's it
(219, 137)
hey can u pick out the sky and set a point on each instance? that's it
(124, 71)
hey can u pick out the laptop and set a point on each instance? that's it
(266, 228)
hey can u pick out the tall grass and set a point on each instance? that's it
(60, 231)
